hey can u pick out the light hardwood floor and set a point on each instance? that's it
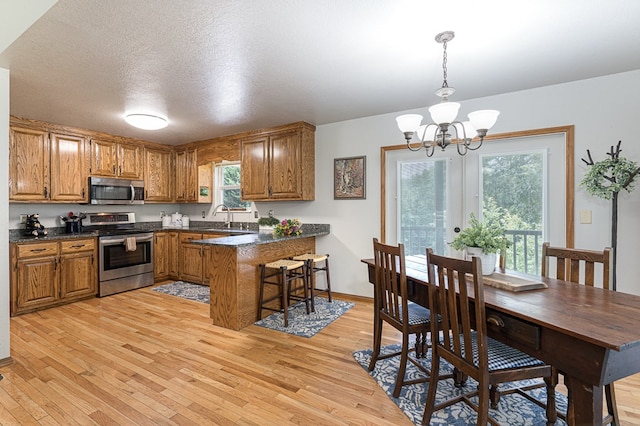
(145, 358)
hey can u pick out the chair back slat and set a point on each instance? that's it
(391, 281)
(569, 261)
(449, 297)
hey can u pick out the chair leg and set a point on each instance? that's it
(494, 396)
(552, 413)
(305, 288)
(262, 272)
(377, 339)
(311, 280)
(285, 296)
(483, 404)
(326, 271)
(404, 355)
(612, 406)
(433, 386)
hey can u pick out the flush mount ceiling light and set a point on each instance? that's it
(444, 115)
(146, 121)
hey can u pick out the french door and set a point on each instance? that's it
(518, 180)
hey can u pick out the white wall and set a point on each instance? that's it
(4, 214)
(604, 110)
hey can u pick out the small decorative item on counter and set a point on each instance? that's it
(34, 227)
(288, 227)
(73, 222)
(266, 224)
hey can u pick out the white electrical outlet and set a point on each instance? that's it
(23, 218)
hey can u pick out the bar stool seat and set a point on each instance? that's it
(282, 273)
(313, 260)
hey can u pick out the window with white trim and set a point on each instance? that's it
(227, 186)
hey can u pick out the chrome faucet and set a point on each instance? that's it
(229, 218)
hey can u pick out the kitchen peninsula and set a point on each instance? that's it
(234, 276)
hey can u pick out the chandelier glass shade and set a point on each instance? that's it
(445, 129)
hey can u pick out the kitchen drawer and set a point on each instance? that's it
(37, 250)
(513, 330)
(187, 237)
(75, 246)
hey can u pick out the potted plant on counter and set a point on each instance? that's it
(266, 224)
(483, 240)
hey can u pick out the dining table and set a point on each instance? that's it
(590, 334)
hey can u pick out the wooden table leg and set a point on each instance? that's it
(585, 403)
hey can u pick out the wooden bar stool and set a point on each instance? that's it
(281, 273)
(313, 268)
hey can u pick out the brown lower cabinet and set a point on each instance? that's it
(176, 257)
(46, 274)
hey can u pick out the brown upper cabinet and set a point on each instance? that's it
(116, 159)
(46, 166)
(187, 175)
(279, 165)
(158, 182)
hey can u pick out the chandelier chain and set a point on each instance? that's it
(444, 64)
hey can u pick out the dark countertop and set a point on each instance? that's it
(249, 235)
(308, 230)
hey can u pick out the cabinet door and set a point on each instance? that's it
(190, 257)
(161, 255)
(174, 255)
(191, 179)
(129, 161)
(191, 263)
(254, 183)
(181, 170)
(68, 172)
(37, 282)
(28, 165)
(103, 158)
(77, 275)
(157, 178)
(285, 174)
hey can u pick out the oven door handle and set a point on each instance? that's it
(122, 241)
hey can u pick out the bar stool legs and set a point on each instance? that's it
(313, 260)
(282, 273)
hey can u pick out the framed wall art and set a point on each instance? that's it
(349, 178)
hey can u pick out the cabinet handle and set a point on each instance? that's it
(55, 264)
(120, 170)
(78, 246)
(46, 192)
(82, 192)
(495, 320)
(37, 250)
(114, 169)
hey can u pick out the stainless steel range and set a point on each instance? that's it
(125, 254)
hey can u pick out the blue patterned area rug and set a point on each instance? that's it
(305, 325)
(512, 410)
(199, 293)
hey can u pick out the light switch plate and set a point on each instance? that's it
(23, 218)
(585, 216)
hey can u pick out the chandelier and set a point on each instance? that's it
(439, 133)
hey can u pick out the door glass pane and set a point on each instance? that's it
(422, 206)
(513, 193)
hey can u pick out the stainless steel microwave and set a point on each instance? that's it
(115, 191)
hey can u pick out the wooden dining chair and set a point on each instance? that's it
(578, 266)
(467, 347)
(392, 306)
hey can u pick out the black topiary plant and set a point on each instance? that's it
(605, 179)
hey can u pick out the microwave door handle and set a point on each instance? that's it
(133, 194)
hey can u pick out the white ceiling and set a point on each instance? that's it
(218, 67)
